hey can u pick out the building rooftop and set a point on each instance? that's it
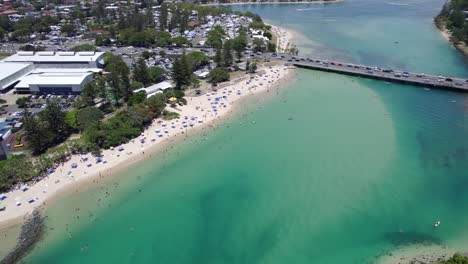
(155, 88)
(53, 78)
(9, 68)
(51, 56)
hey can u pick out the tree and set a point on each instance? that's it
(70, 119)
(88, 116)
(181, 71)
(163, 15)
(156, 103)
(268, 35)
(163, 38)
(118, 79)
(293, 51)
(198, 59)
(252, 68)
(140, 72)
(180, 41)
(22, 101)
(239, 44)
(146, 54)
(271, 47)
(37, 132)
(227, 53)
(137, 98)
(55, 118)
(258, 45)
(68, 29)
(215, 37)
(156, 74)
(218, 58)
(218, 74)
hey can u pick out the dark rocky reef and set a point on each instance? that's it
(32, 232)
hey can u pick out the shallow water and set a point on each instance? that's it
(363, 168)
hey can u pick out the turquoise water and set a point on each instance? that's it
(365, 167)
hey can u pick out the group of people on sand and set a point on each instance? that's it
(200, 112)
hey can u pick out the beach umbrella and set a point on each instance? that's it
(172, 99)
(18, 203)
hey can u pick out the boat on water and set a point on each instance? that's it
(437, 223)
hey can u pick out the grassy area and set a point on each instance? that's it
(3, 55)
(168, 115)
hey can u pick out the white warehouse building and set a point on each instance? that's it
(60, 59)
(10, 72)
(49, 72)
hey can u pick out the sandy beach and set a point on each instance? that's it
(447, 35)
(283, 38)
(199, 112)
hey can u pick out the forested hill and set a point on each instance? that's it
(453, 18)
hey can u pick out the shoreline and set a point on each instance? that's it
(446, 34)
(284, 38)
(65, 178)
(275, 2)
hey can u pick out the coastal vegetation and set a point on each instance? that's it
(455, 259)
(453, 19)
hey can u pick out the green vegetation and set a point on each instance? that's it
(168, 115)
(84, 47)
(127, 123)
(454, 19)
(455, 259)
(218, 74)
(182, 72)
(47, 128)
(22, 101)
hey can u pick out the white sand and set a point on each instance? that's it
(418, 254)
(199, 111)
(284, 38)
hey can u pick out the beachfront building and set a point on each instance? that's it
(155, 89)
(49, 72)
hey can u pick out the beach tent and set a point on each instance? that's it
(83, 157)
(74, 165)
(50, 170)
(2, 208)
(3, 196)
(172, 99)
(24, 188)
(120, 148)
(98, 159)
(31, 200)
